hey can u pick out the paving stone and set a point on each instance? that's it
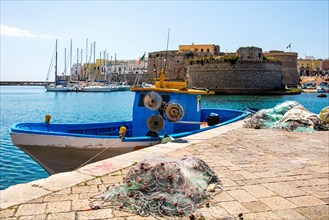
(258, 191)
(95, 214)
(234, 207)
(227, 182)
(257, 206)
(87, 195)
(84, 189)
(303, 201)
(314, 192)
(246, 174)
(324, 187)
(277, 203)
(222, 197)
(38, 200)
(80, 204)
(284, 190)
(109, 180)
(33, 217)
(63, 191)
(265, 174)
(61, 181)
(31, 209)
(60, 206)
(6, 213)
(241, 196)
(141, 218)
(59, 197)
(261, 215)
(61, 216)
(290, 214)
(95, 181)
(212, 213)
(118, 213)
(319, 181)
(20, 193)
(315, 212)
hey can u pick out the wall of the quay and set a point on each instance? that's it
(241, 77)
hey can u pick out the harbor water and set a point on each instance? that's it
(31, 104)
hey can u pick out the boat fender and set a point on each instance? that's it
(166, 138)
(122, 131)
(47, 119)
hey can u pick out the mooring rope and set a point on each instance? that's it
(97, 154)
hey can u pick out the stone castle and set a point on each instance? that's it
(248, 71)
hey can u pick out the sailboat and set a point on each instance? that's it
(58, 86)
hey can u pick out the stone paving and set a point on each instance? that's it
(266, 174)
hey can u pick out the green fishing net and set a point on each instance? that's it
(289, 115)
(162, 187)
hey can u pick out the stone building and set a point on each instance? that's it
(210, 49)
(253, 72)
(309, 67)
(325, 65)
(289, 66)
(176, 61)
(246, 73)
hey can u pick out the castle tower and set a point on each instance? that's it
(289, 66)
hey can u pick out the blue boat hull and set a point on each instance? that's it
(65, 147)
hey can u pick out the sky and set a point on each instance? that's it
(29, 29)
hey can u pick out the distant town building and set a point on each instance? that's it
(109, 70)
(311, 67)
(202, 49)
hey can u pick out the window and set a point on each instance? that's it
(201, 50)
(208, 50)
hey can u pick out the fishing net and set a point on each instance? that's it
(290, 116)
(162, 188)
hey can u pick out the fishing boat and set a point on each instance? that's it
(167, 109)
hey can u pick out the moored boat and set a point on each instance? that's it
(168, 108)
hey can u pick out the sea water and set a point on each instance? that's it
(31, 104)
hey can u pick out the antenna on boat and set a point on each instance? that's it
(163, 70)
(167, 47)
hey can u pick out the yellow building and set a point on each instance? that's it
(307, 66)
(201, 48)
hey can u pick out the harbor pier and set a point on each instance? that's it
(265, 174)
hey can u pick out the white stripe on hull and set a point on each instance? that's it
(63, 153)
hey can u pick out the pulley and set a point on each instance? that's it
(174, 112)
(155, 123)
(152, 100)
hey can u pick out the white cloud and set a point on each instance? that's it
(16, 32)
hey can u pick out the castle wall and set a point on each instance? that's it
(176, 64)
(289, 66)
(241, 77)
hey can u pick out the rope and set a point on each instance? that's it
(97, 155)
(161, 187)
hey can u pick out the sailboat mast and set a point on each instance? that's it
(65, 62)
(94, 57)
(56, 64)
(70, 59)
